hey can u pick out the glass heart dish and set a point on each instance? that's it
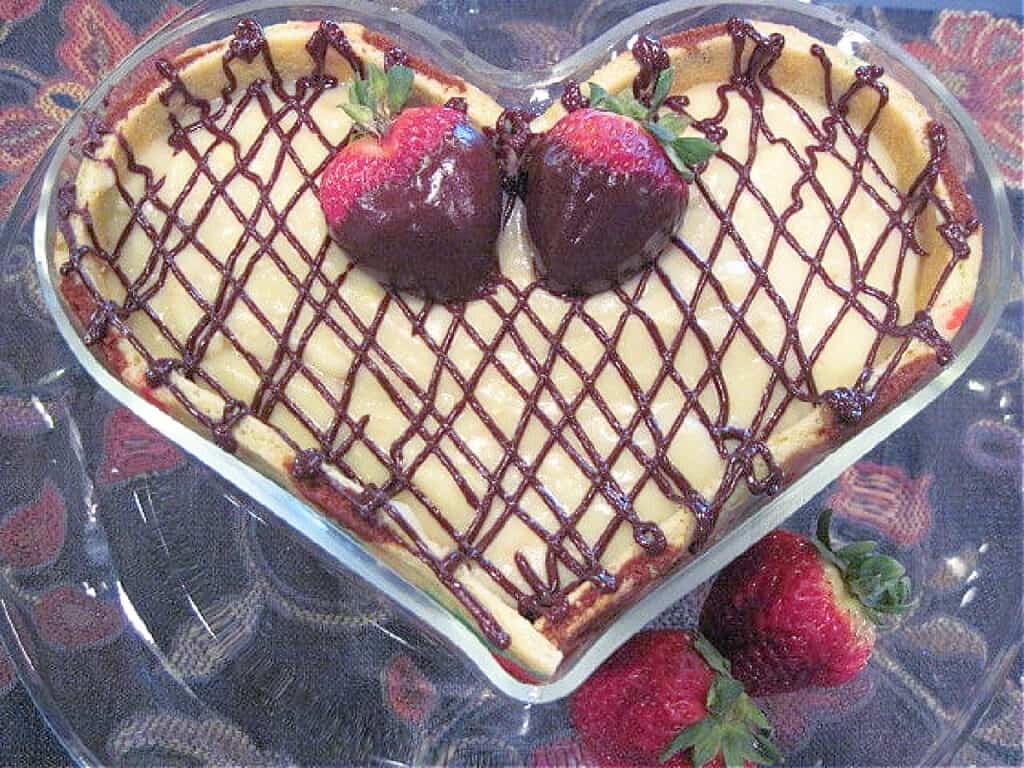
(741, 525)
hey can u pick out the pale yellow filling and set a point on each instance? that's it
(327, 357)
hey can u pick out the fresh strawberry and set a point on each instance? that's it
(792, 612)
(667, 696)
(414, 197)
(606, 187)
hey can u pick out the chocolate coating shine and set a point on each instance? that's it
(594, 228)
(434, 234)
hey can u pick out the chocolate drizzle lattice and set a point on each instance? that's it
(495, 492)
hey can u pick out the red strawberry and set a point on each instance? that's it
(792, 612)
(667, 696)
(606, 188)
(417, 199)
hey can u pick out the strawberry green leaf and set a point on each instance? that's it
(724, 693)
(853, 554)
(623, 104)
(662, 86)
(600, 98)
(694, 150)
(733, 727)
(733, 747)
(358, 94)
(752, 754)
(378, 84)
(378, 96)
(748, 710)
(875, 574)
(684, 740)
(707, 747)
(823, 540)
(765, 751)
(878, 581)
(633, 108)
(663, 134)
(683, 152)
(677, 162)
(899, 600)
(613, 104)
(674, 123)
(710, 654)
(824, 534)
(399, 87)
(361, 116)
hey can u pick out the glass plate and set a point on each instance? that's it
(219, 637)
(216, 18)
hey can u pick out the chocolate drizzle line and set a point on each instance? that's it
(395, 56)
(653, 59)
(511, 138)
(571, 560)
(573, 98)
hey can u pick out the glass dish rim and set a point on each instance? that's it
(344, 549)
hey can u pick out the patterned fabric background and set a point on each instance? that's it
(52, 52)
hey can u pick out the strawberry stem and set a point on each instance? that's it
(733, 727)
(374, 100)
(878, 581)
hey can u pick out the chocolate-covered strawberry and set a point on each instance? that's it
(415, 196)
(606, 188)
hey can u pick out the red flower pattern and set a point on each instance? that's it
(96, 40)
(981, 60)
(132, 448)
(24, 131)
(886, 498)
(33, 536)
(409, 694)
(15, 10)
(68, 618)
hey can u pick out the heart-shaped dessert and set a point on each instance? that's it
(532, 432)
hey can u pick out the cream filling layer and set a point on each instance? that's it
(560, 486)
